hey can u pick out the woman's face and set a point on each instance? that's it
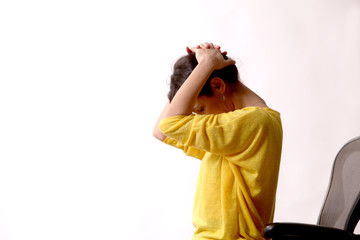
(210, 105)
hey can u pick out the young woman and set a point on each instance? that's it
(212, 116)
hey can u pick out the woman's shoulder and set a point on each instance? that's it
(254, 111)
(254, 116)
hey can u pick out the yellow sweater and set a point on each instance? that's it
(240, 153)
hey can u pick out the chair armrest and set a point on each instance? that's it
(305, 232)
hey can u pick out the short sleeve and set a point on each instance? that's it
(222, 134)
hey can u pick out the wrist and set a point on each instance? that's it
(206, 65)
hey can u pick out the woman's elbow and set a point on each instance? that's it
(158, 134)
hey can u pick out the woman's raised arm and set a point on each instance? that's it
(209, 59)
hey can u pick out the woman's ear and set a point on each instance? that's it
(218, 85)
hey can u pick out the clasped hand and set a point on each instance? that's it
(209, 53)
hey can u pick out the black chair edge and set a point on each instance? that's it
(306, 231)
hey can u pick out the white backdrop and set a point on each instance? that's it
(82, 83)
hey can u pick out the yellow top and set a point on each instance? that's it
(240, 153)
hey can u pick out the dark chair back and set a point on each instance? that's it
(341, 208)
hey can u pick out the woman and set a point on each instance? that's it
(234, 133)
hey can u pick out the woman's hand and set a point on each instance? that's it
(209, 58)
(210, 54)
(206, 46)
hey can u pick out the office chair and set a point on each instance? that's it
(341, 209)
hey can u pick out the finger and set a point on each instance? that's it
(230, 62)
(192, 49)
(206, 45)
(217, 47)
(189, 50)
(224, 53)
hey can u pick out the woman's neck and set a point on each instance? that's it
(244, 97)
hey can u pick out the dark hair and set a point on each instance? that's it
(186, 64)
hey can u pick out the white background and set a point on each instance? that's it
(82, 83)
